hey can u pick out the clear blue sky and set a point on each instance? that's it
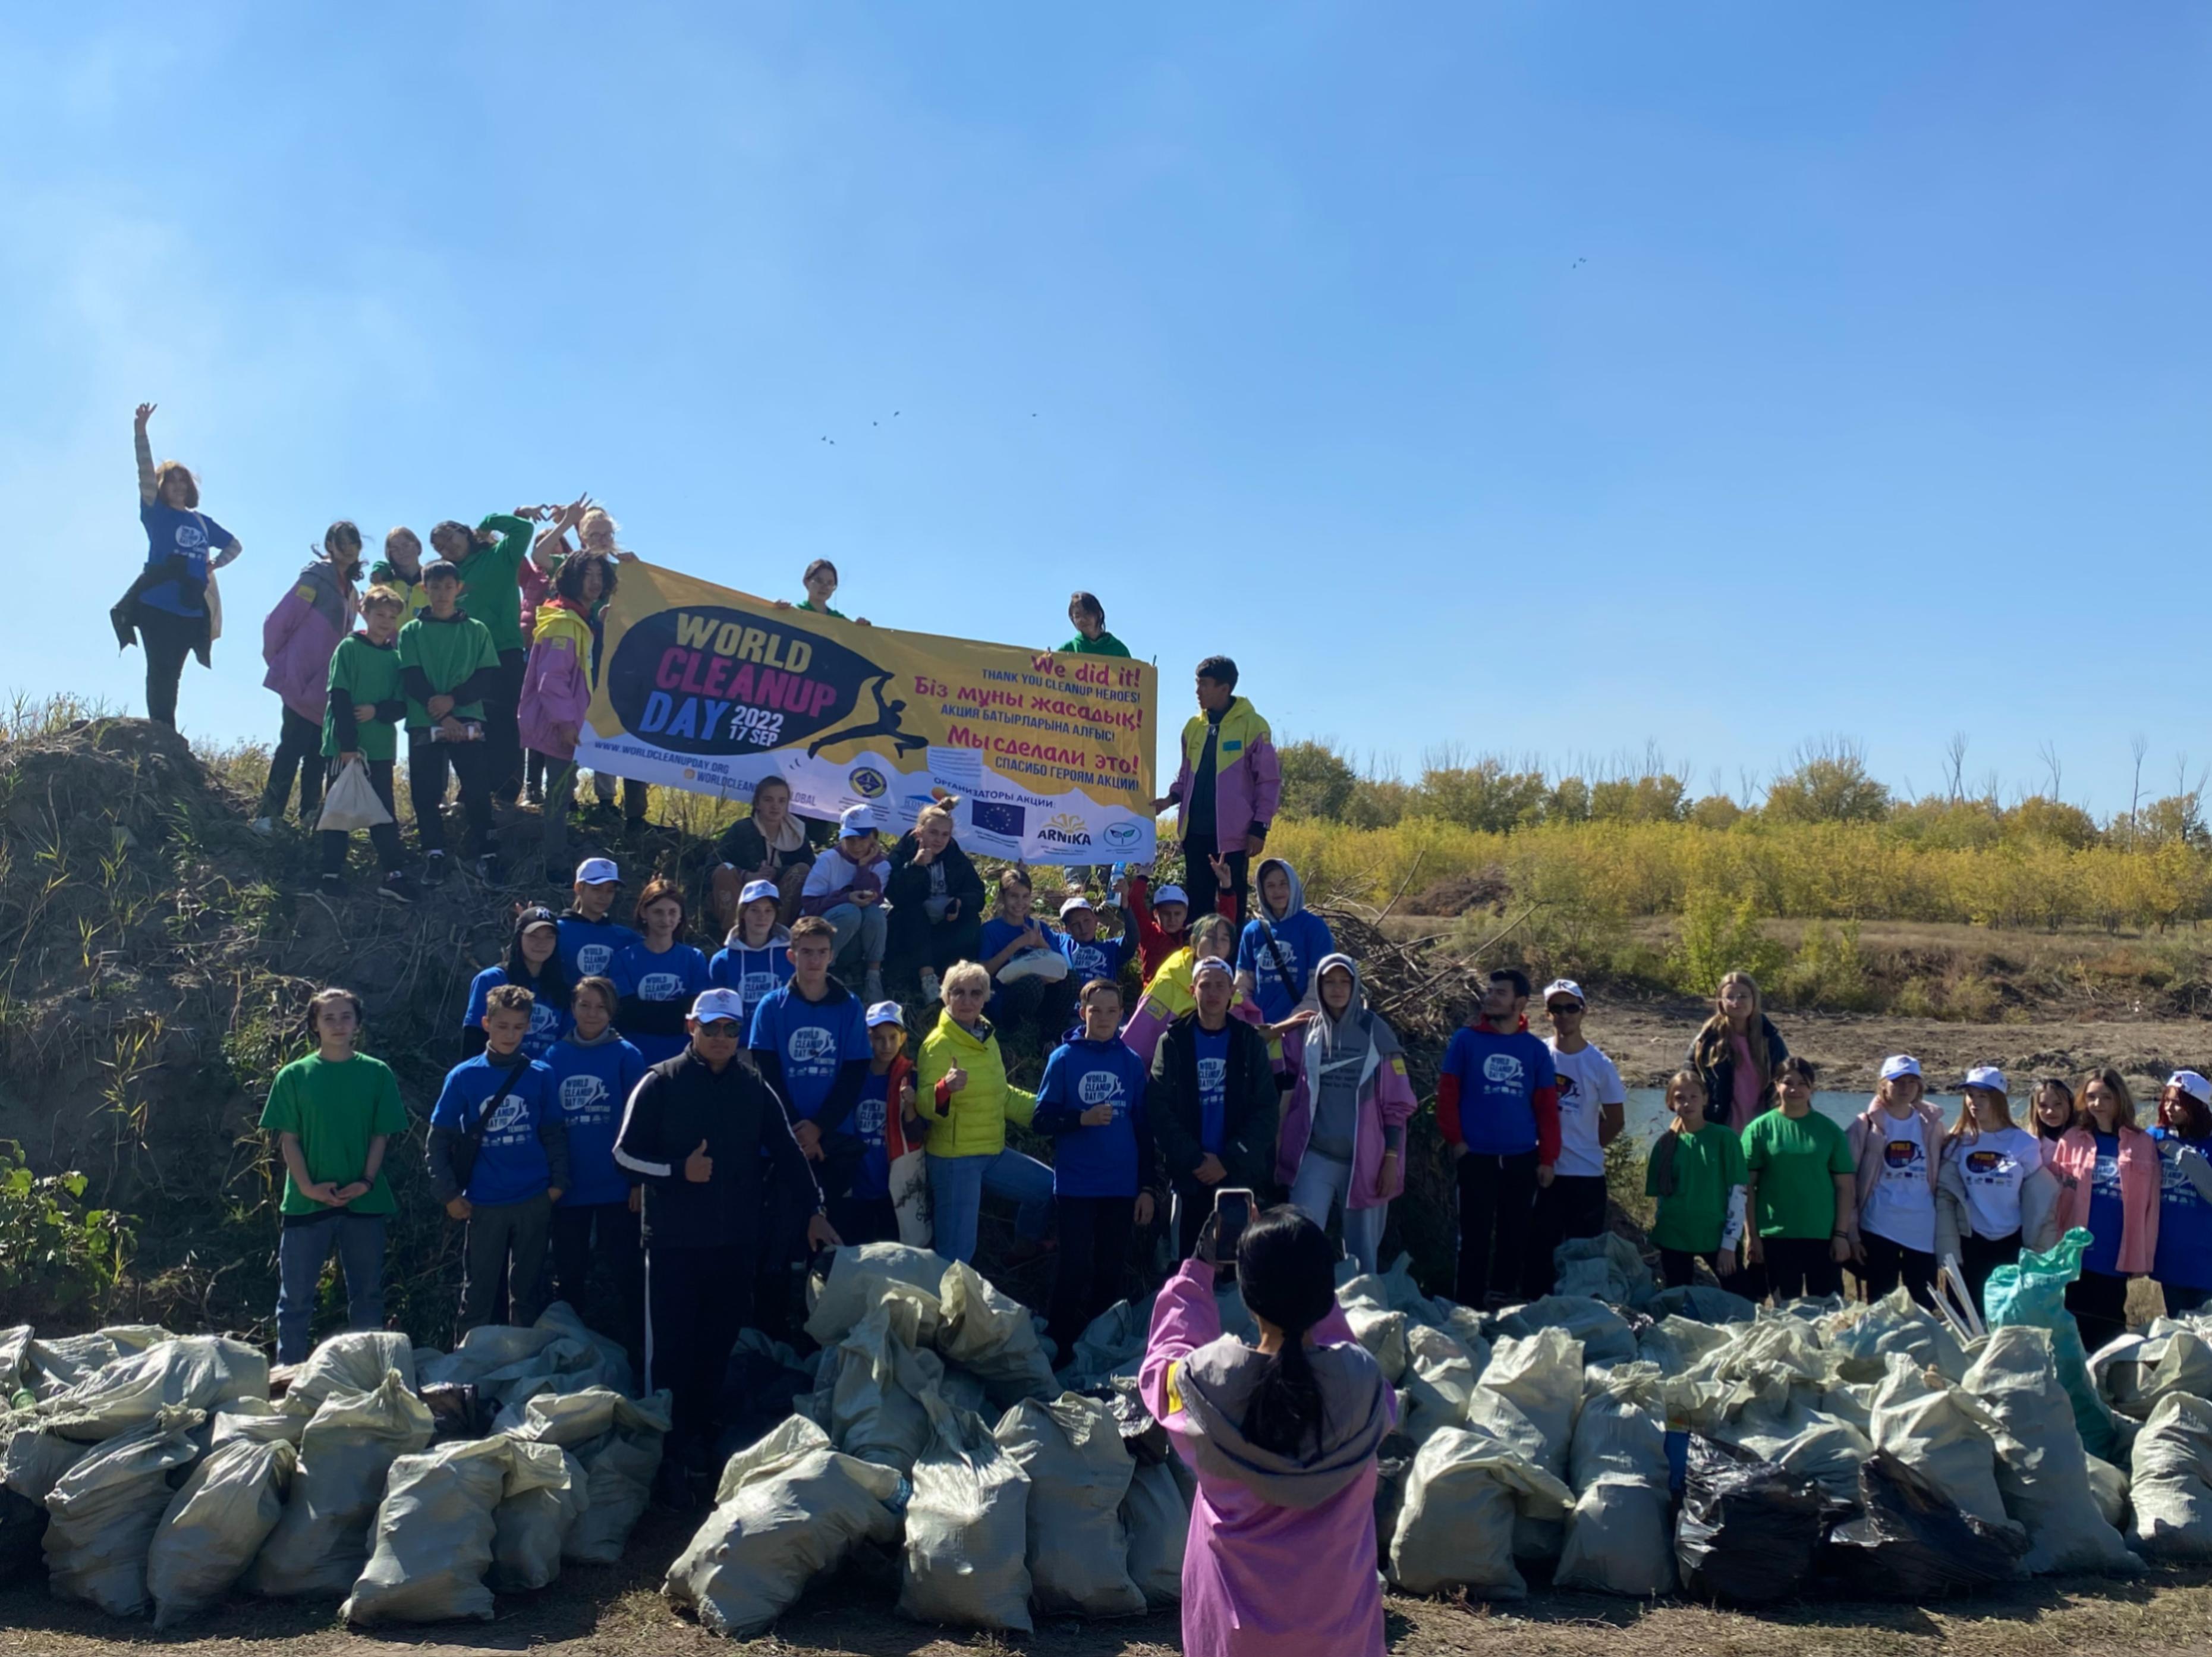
(1880, 405)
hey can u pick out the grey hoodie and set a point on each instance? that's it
(1217, 1382)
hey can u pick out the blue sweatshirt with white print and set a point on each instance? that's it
(593, 1083)
(1115, 1159)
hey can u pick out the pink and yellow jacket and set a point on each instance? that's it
(556, 688)
(2076, 1164)
(302, 633)
(1168, 996)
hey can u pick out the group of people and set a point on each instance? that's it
(661, 1131)
(1779, 1199)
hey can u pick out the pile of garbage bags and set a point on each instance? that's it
(1612, 1437)
(141, 1471)
(937, 1448)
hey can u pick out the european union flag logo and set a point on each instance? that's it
(994, 818)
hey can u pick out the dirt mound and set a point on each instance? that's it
(101, 775)
(1463, 894)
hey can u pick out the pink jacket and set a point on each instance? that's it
(1263, 1578)
(556, 689)
(302, 633)
(1247, 777)
(1386, 1101)
(1869, 1136)
(2076, 1165)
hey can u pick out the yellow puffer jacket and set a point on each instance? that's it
(975, 1121)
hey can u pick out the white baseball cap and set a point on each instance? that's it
(757, 890)
(1209, 966)
(714, 1004)
(597, 871)
(1565, 987)
(886, 1012)
(1899, 1064)
(1992, 1080)
(1077, 902)
(2193, 1084)
(1171, 894)
(856, 821)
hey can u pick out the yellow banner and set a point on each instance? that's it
(1049, 757)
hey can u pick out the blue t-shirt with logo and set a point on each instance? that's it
(753, 973)
(548, 1023)
(1080, 1075)
(2184, 1256)
(1213, 1088)
(588, 948)
(511, 1100)
(1298, 942)
(2107, 1217)
(593, 1085)
(1101, 958)
(172, 532)
(1499, 1077)
(813, 1040)
(677, 973)
(871, 1178)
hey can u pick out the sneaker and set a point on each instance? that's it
(433, 869)
(533, 795)
(489, 869)
(262, 827)
(331, 885)
(932, 987)
(395, 888)
(872, 990)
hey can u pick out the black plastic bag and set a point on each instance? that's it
(23, 1527)
(1911, 1541)
(1748, 1531)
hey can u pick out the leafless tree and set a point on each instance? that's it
(1954, 764)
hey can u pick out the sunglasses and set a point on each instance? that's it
(1557, 1008)
(719, 1030)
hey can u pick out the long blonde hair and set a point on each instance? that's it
(2124, 1117)
(1966, 1127)
(1713, 1042)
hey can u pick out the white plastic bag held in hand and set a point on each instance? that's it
(351, 802)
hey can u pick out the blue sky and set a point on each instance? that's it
(1550, 379)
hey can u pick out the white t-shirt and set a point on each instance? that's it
(1994, 1167)
(1902, 1205)
(1587, 1079)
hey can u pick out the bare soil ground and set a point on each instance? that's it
(618, 1612)
(1647, 1039)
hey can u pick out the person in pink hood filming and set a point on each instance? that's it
(1282, 1434)
(1343, 1128)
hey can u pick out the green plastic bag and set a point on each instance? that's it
(2033, 1294)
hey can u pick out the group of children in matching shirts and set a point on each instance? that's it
(523, 1135)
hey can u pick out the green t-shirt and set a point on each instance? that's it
(1104, 645)
(336, 1109)
(447, 652)
(491, 579)
(811, 608)
(1706, 1164)
(361, 672)
(1797, 1160)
